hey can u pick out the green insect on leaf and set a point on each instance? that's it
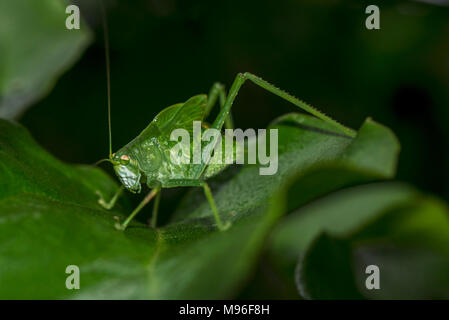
(146, 159)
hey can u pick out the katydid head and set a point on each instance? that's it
(127, 171)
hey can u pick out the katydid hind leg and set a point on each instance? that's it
(218, 92)
(237, 84)
(240, 80)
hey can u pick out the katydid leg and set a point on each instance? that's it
(237, 84)
(207, 192)
(109, 204)
(222, 226)
(217, 92)
(155, 209)
(240, 80)
(149, 196)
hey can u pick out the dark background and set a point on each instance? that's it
(164, 51)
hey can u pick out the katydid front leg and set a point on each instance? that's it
(109, 204)
(149, 196)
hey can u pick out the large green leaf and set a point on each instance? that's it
(35, 48)
(49, 217)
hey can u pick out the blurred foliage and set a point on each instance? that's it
(325, 246)
(35, 48)
(408, 241)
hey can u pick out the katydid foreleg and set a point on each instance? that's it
(110, 204)
(150, 195)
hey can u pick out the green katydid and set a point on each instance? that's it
(144, 159)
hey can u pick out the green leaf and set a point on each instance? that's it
(49, 219)
(392, 226)
(35, 48)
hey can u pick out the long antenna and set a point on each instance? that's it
(108, 72)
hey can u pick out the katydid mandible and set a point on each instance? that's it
(144, 160)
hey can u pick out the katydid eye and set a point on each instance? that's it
(124, 160)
